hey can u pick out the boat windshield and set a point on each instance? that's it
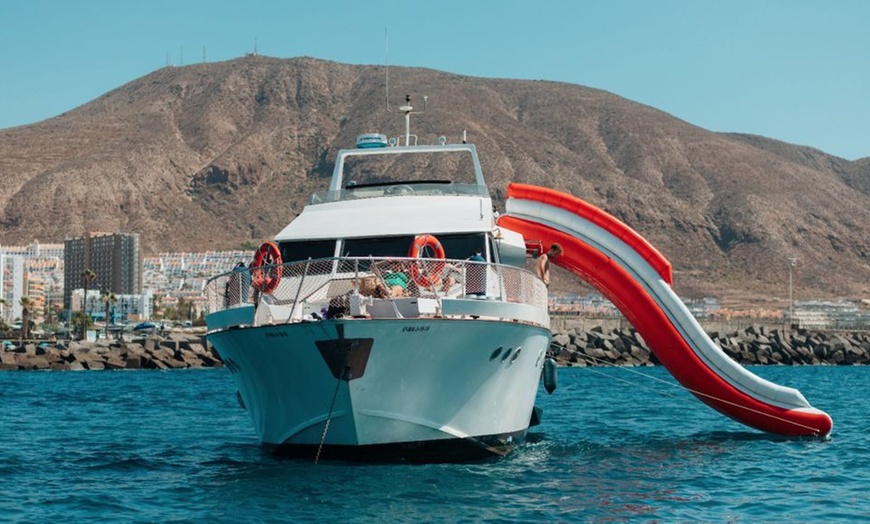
(445, 167)
(405, 171)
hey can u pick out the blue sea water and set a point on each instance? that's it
(614, 446)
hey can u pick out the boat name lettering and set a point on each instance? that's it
(414, 329)
(276, 334)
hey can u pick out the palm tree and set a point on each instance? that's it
(53, 314)
(80, 322)
(4, 317)
(156, 306)
(109, 299)
(3, 305)
(26, 306)
(88, 276)
(49, 313)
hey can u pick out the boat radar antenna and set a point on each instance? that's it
(407, 109)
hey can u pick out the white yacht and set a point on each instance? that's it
(392, 319)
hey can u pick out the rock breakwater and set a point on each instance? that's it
(175, 352)
(596, 346)
(748, 346)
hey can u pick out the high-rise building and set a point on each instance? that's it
(115, 259)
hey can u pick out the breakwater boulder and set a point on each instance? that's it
(177, 351)
(748, 346)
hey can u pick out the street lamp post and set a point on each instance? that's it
(792, 262)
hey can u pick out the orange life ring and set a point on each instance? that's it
(266, 269)
(426, 274)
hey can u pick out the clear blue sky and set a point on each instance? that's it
(794, 70)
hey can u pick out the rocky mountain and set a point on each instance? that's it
(212, 156)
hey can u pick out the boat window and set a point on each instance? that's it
(493, 250)
(377, 247)
(295, 251)
(456, 246)
(463, 246)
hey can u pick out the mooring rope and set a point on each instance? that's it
(679, 386)
(329, 416)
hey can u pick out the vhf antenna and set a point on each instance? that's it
(387, 69)
(407, 109)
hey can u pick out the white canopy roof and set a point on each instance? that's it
(391, 216)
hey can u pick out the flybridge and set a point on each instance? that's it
(397, 166)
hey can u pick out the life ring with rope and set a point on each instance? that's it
(266, 268)
(426, 274)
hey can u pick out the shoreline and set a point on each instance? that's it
(621, 345)
(177, 351)
(580, 343)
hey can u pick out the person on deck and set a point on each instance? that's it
(475, 282)
(543, 263)
(396, 279)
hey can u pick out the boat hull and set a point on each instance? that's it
(433, 389)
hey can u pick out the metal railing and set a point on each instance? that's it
(404, 189)
(326, 285)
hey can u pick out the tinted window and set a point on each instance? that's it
(377, 247)
(461, 247)
(294, 251)
(455, 246)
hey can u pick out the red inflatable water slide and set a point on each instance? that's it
(637, 279)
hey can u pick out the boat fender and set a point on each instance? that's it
(266, 268)
(535, 420)
(549, 375)
(426, 274)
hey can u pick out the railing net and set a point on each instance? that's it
(321, 281)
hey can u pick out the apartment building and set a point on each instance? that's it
(115, 259)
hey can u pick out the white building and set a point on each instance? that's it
(11, 286)
(22, 269)
(128, 308)
(133, 308)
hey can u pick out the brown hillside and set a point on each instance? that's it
(210, 156)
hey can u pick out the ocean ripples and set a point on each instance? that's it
(161, 446)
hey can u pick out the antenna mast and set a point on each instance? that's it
(407, 109)
(387, 69)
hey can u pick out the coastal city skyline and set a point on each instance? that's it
(36, 271)
(175, 277)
